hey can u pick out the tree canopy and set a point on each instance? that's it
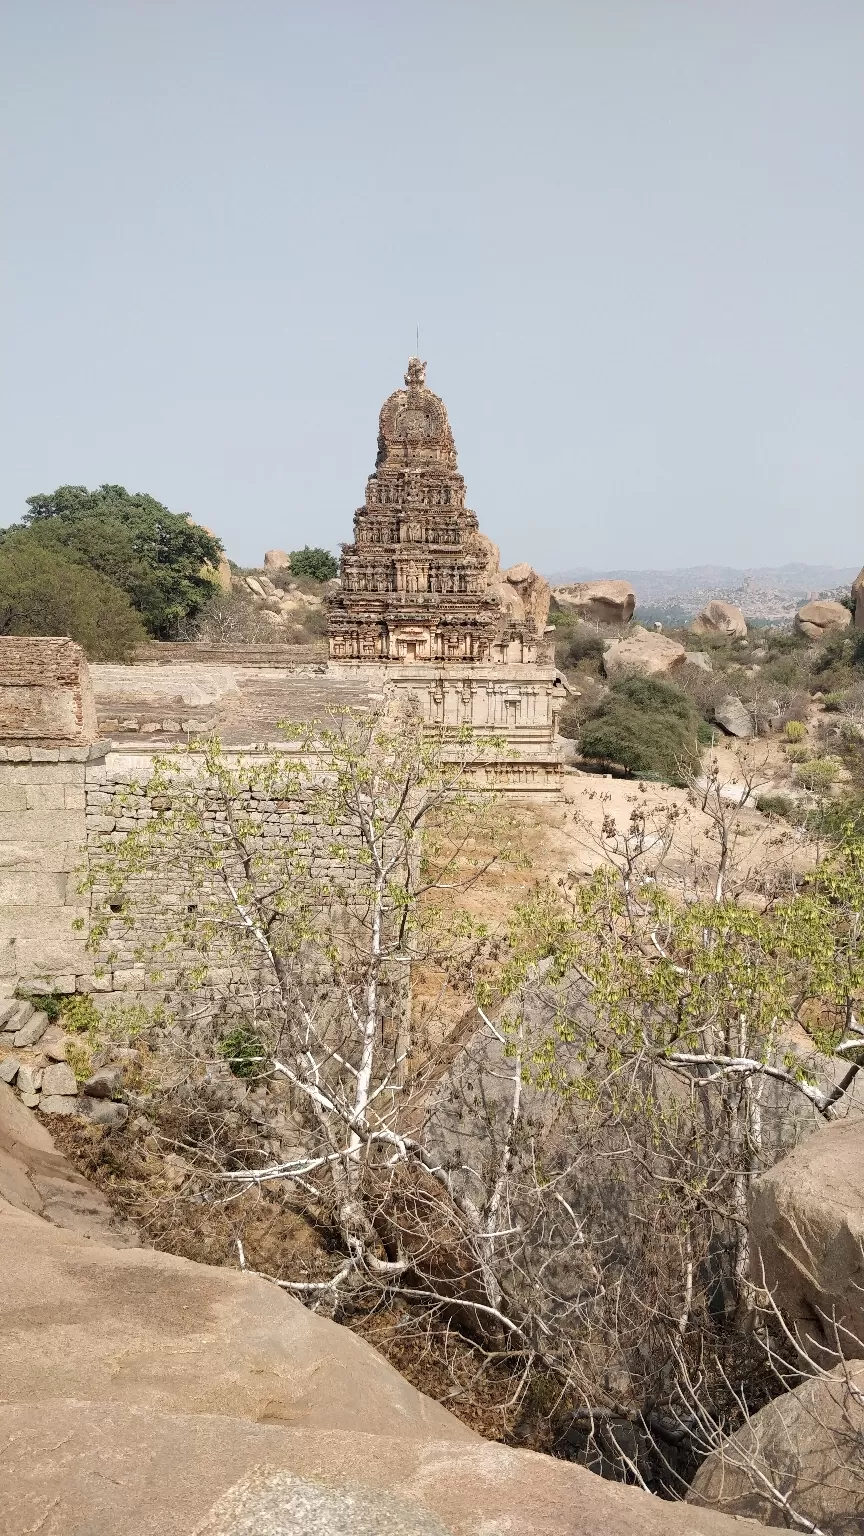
(648, 727)
(317, 563)
(42, 592)
(159, 559)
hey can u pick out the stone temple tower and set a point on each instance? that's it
(420, 583)
(424, 607)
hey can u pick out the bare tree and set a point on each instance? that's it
(799, 1459)
(562, 1180)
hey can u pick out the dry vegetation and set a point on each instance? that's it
(526, 1179)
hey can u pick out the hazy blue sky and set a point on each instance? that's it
(632, 232)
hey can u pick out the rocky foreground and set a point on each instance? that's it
(145, 1395)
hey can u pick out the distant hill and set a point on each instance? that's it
(795, 579)
(768, 592)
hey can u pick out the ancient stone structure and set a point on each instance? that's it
(45, 694)
(420, 583)
(424, 606)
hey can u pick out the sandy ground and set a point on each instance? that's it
(563, 836)
(559, 837)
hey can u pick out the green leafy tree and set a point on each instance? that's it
(317, 563)
(646, 726)
(162, 561)
(703, 994)
(44, 593)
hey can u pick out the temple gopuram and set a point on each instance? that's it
(420, 582)
(422, 597)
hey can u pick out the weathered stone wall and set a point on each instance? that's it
(62, 809)
(58, 784)
(45, 693)
(116, 804)
(42, 846)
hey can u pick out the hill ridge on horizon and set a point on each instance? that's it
(766, 592)
(713, 573)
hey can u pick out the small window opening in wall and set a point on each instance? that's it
(192, 907)
(116, 905)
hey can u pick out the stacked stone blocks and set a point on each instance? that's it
(117, 803)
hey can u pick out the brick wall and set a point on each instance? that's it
(45, 693)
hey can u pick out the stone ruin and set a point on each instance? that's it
(420, 583)
(45, 695)
(423, 612)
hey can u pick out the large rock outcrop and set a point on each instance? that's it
(807, 1445)
(533, 592)
(808, 1235)
(36, 1178)
(599, 602)
(858, 599)
(721, 619)
(108, 1469)
(138, 1389)
(821, 619)
(146, 1328)
(735, 719)
(643, 653)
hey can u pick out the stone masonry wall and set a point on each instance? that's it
(42, 849)
(59, 814)
(61, 810)
(116, 804)
(58, 787)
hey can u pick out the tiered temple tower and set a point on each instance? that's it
(420, 583)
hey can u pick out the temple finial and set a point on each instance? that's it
(416, 374)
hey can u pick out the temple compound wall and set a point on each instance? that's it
(47, 738)
(67, 795)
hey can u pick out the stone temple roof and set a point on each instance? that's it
(413, 428)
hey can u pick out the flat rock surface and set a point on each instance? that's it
(245, 704)
(146, 1328)
(73, 1468)
(280, 1504)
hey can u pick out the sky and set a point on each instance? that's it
(631, 233)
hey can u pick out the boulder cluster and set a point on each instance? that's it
(282, 607)
(807, 1223)
(632, 650)
(33, 1060)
